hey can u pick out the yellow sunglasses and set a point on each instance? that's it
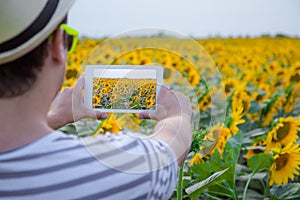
(72, 37)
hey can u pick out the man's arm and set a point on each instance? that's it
(175, 131)
(174, 122)
(68, 107)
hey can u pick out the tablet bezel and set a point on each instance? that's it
(88, 85)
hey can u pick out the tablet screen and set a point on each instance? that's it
(124, 89)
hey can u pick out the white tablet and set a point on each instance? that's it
(122, 88)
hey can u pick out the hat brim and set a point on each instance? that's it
(60, 13)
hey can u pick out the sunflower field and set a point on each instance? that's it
(122, 93)
(251, 86)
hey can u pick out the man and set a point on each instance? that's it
(37, 162)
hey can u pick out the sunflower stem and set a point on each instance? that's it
(246, 186)
(180, 183)
(267, 189)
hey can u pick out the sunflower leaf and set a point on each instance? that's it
(254, 107)
(260, 161)
(287, 191)
(196, 189)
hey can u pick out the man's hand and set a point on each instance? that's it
(68, 107)
(169, 104)
(174, 114)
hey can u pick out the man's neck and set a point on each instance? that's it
(22, 121)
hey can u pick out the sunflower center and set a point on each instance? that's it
(228, 87)
(283, 131)
(71, 74)
(259, 97)
(245, 106)
(295, 78)
(282, 161)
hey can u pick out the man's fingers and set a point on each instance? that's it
(77, 92)
(78, 87)
(167, 86)
(144, 115)
(94, 114)
(78, 108)
(101, 115)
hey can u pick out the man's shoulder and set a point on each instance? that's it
(65, 164)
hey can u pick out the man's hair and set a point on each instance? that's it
(18, 76)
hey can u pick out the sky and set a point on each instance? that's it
(195, 18)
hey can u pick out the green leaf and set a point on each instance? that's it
(232, 154)
(256, 132)
(259, 162)
(197, 140)
(69, 129)
(233, 147)
(195, 190)
(200, 171)
(287, 191)
(254, 107)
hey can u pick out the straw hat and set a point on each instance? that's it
(25, 24)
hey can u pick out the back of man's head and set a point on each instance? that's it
(25, 28)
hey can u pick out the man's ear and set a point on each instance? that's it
(58, 52)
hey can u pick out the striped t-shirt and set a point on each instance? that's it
(59, 166)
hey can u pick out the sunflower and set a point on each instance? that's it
(256, 148)
(205, 103)
(217, 136)
(149, 104)
(272, 67)
(169, 75)
(274, 108)
(236, 119)
(96, 88)
(281, 78)
(113, 96)
(283, 133)
(266, 88)
(193, 77)
(71, 73)
(104, 91)
(112, 124)
(295, 73)
(167, 60)
(134, 99)
(230, 84)
(259, 78)
(286, 164)
(96, 100)
(295, 77)
(258, 96)
(241, 97)
(152, 85)
(253, 117)
(151, 100)
(197, 159)
(291, 100)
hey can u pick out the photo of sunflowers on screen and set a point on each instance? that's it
(122, 93)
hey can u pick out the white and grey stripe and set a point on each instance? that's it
(61, 167)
